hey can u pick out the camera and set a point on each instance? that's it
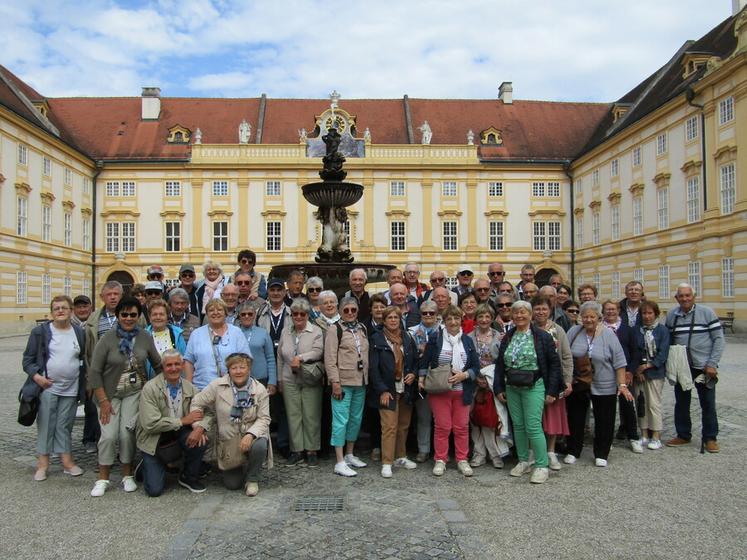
(360, 365)
(133, 377)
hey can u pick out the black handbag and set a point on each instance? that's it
(28, 397)
(520, 377)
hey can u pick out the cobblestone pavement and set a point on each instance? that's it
(664, 504)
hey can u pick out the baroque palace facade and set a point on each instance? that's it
(648, 187)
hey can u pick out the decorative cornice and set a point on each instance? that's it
(614, 197)
(636, 188)
(455, 213)
(691, 166)
(496, 212)
(116, 212)
(220, 212)
(595, 204)
(177, 213)
(23, 187)
(578, 211)
(662, 179)
(270, 212)
(729, 148)
(86, 211)
(47, 196)
(547, 212)
(68, 204)
(397, 212)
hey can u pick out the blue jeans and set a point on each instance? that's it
(707, 398)
(154, 471)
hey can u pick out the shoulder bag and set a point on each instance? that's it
(583, 369)
(28, 398)
(437, 379)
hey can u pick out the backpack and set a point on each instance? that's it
(483, 412)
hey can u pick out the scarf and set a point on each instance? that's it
(210, 288)
(395, 339)
(127, 339)
(242, 399)
(457, 348)
(648, 339)
(330, 321)
(613, 326)
(352, 325)
(174, 389)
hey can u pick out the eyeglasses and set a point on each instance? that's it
(439, 279)
(315, 290)
(350, 310)
(56, 309)
(569, 310)
(482, 289)
(299, 313)
(131, 315)
(244, 283)
(503, 304)
(496, 273)
(187, 275)
(505, 291)
(427, 313)
(155, 275)
(247, 314)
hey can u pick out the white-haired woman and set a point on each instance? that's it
(328, 314)
(212, 284)
(314, 287)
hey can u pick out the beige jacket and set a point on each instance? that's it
(341, 361)
(310, 349)
(216, 401)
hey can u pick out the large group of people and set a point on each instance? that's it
(197, 377)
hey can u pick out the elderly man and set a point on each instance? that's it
(527, 276)
(481, 287)
(294, 283)
(442, 297)
(81, 310)
(496, 275)
(438, 280)
(187, 278)
(401, 298)
(465, 274)
(557, 316)
(630, 303)
(179, 315)
(163, 425)
(244, 282)
(412, 281)
(696, 327)
(393, 276)
(556, 280)
(357, 281)
(230, 295)
(529, 291)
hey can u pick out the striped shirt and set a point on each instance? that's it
(707, 341)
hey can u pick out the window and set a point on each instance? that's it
(128, 188)
(397, 188)
(691, 128)
(662, 207)
(112, 188)
(637, 215)
(495, 236)
(553, 236)
(86, 233)
(450, 236)
(398, 241)
(46, 222)
(595, 178)
(615, 221)
(220, 236)
(727, 277)
(693, 275)
(120, 236)
(68, 176)
(614, 168)
(46, 288)
(495, 188)
(546, 236)
(68, 228)
(112, 237)
(579, 231)
(173, 236)
(47, 167)
(664, 282)
(539, 241)
(67, 286)
(21, 296)
(595, 227)
(220, 188)
(638, 275)
(86, 185)
(636, 156)
(173, 188)
(726, 110)
(596, 281)
(579, 186)
(693, 199)
(274, 239)
(728, 190)
(22, 212)
(272, 188)
(449, 188)
(615, 285)
(23, 155)
(661, 144)
(538, 189)
(128, 237)
(553, 188)
(86, 287)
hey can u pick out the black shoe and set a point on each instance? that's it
(139, 471)
(284, 452)
(312, 460)
(621, 433)
(193, 485)
(294, 459)
(205, 469)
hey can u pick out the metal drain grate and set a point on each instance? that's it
(319, 503)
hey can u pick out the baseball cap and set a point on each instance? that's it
(155, 269)
(465, 268)
(275, 282)
(153, 285)
(187, 268)
(82, 300)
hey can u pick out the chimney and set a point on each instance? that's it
(505, 93)
(151, 97)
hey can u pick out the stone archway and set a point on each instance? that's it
(124, 278)
(542, 277)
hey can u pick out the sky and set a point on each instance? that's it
(555, 50)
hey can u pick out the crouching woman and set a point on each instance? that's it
(240, 407)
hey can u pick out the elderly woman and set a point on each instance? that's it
(165, 335)
(571, 309)
(300, 352)
(652, 339)
(449, 347)
(211, 287)
(555, 418)
(486, 442)
(468, 305)
(239, 407)
(328, 314)
(138, 292)
(261, 347)
(116, 374)
(527, 376)
(375, 322)
(377, 303)
(429, 319)
(211, 344)
(600, 345)
(179, 314)
(164, 423)
(393, 359)
(346, 363)
(53, 360)
(563, 294)
(314, 287)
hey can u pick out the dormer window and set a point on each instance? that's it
(179, 135)
(692, 62)
(619, 110)
(491, 136)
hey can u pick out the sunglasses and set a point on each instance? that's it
(427, 313)
(246, 261)
(571, 310)
(299, 313)
(244, 283)
(350, 310)
(130, 315)
(155, 275)
(503, 304)
(315, 290)
(247, 314)
(152, 292)
(187, 274)
(238, 355)
(496, 273)
(482, 289)
(465, 273)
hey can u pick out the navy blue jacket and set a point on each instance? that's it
(662, 340)
(626, 336)
(381, 369)
(548, 362)
(624, 313)
(433, 351)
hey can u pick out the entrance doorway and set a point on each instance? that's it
(542, 278)
(123, 278)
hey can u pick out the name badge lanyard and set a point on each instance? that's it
(216, 354)
(354, 332)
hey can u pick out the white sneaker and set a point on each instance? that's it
(343, 469)
(570, 460)
(521, 468)
(600, 462)
(354, 461)
(654, 444)
(539, 475)
(554, 463)
(439, 468)
(644, 441)
(497, 462)
(464, 468)
(128, 483)
(99, 488)
(386, 471)
(636, 446)
(406, 463)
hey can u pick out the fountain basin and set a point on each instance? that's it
(332, 193)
